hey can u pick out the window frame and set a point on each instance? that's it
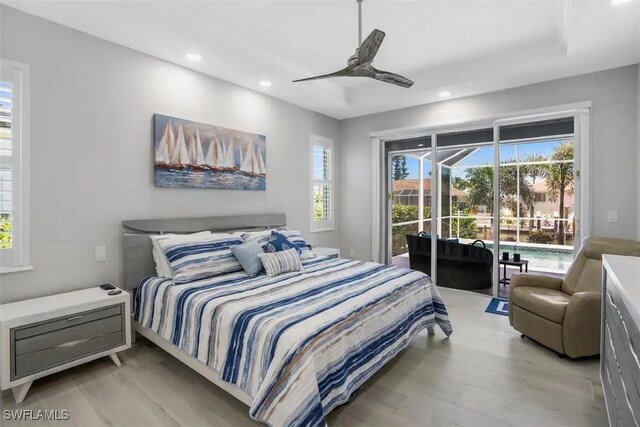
(17, 258)
(316, 226)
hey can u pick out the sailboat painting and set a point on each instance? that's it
(188, 154)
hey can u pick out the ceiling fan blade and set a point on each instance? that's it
(387, 77)
(345, 72)
(370, 46)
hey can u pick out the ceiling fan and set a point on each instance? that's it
(359, 64)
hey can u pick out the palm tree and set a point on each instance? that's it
(559, 178)
(533, 171)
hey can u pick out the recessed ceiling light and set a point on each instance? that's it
(619, 2)
(444, 94)
(195, 57)
(265, 83)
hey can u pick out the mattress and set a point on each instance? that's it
(300, 343)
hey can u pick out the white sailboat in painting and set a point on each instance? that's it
(199, 154)
(180, 156)
(247, 163)
(253, 164)
(209, 157)
(262, 168)
(191, 148)
(165, 146)
(229, 157)
(190, 154)
(219, 154)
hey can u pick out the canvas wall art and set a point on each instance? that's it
(195, 155)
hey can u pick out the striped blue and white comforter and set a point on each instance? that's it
(300, 343)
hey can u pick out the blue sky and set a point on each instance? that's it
(484, 155)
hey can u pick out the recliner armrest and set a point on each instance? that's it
(536, 280)
(581, 326)
(591, 298)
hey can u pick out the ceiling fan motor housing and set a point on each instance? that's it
(353, 58)
(360, 63)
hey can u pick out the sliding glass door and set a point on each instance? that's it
(513, 184)
(409, 200)
(466, 186)
(537, 202)
(536, 192)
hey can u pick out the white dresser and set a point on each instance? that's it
(620, 339)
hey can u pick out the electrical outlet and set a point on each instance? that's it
(612, 216)
(101, 253)
(352, 253)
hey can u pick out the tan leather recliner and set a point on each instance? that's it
(564, 314)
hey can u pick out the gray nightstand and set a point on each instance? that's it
(330, 252)
(42, 336)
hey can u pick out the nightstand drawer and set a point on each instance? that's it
(62, 345)
(67, 321)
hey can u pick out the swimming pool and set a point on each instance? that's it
(540, 258)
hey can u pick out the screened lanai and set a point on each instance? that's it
(536, 198)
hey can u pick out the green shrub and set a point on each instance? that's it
(5, 233)
(541, 236)
(404, 213)
(468, 226)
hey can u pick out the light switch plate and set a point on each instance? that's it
(612, 216)
(101, 253)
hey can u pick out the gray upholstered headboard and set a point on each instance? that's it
(136, 244)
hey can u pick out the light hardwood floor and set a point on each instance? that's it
(485, 374)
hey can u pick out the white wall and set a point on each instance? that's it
(638, 147)
(91, 164)
(614, 146)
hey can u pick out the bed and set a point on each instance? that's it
(294, 346)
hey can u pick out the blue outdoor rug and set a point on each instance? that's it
(498, 306)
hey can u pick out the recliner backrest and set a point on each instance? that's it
(585, 273)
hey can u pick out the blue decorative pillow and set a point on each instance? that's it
(278, 242)
(297, 239)
(209, 257)
(262, 237)
(247, 255)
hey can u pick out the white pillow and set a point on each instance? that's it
(259, 236)
(202, 258)
(162, 264)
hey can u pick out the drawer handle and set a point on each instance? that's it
(71, 319)
(72, 343)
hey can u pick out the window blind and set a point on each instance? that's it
(6, 187)
(322, 188)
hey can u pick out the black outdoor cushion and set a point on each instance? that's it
(460, 266)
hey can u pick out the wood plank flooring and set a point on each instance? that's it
(484, 375)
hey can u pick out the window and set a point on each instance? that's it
(322, 184)
(14, 210)
(540, 197)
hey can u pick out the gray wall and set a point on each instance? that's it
(614, 146)
(91, 164)
(638, 147)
